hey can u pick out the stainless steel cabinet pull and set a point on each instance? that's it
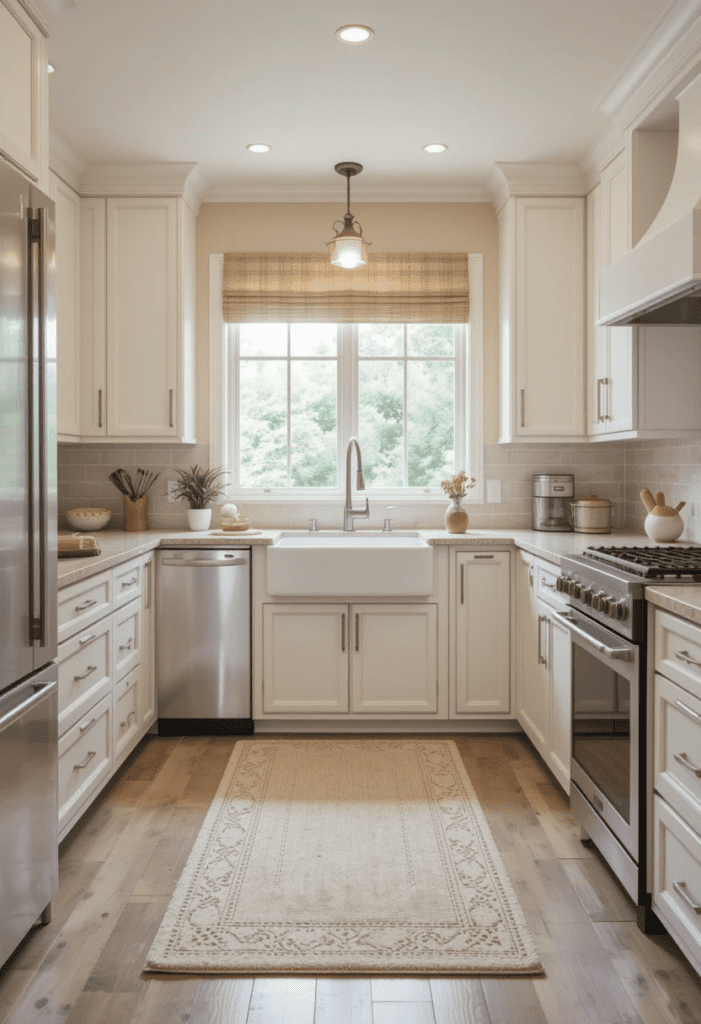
(147, 573)
(89, 756)
(127, 645)
(541, 659)
(688, 711)
(343, 631)
(86, 639)
(86, 604)
(523, 408)
(125, 725)
(99, 407)
(530, 575)
(680, 889)
(550, 586)
(130, 583)
(462, 584)
(484, 556)
(170, 407)
(89, 669)
(599, 417)
(686, 658)
(86, 725)
(683, 760)
(357, 632)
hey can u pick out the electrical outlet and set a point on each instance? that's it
(494, 491)
(172, 484)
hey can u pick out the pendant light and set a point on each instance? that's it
(348, 249)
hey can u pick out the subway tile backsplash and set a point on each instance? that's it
(83, 480)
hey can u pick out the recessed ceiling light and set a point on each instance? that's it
(259, 147)
(436, 147)
(354, 34)
(50, 68)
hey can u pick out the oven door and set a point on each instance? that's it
(605, 724)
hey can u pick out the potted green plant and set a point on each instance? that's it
(198, 487)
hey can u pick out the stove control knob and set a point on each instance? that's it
(574, 588)
(605, 604)
(586, 595)
(561, 583)
(597, 600)
(621, 610)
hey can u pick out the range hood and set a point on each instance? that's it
(659, 280)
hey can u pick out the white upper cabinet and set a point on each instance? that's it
(67, 309)
(611, 349)
(137, 319)
(643, 381)
(24, 91)
(542, 280)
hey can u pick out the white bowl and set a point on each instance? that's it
(88, 519)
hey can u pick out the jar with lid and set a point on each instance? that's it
(592, 515)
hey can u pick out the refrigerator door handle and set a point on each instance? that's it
(43, 488)
(31, 410)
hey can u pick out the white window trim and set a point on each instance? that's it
(222, 383)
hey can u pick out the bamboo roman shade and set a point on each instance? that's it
(300, 287)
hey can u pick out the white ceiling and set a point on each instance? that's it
(196, 80)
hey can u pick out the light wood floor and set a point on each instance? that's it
(119, 866)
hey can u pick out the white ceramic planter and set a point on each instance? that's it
(664, 529)
(199, 518)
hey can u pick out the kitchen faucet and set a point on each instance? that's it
(350, 513)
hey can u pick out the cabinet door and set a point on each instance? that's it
(550, 317)
(93, 316)
(23, 91)
(597, 340)
(560, 732)
(482, 633)
(147, 677)
(305, 658)
(532, 705)
(67, 309)
(142, 317)
(615, 229)
(394, 659)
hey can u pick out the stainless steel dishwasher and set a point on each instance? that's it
(203, 641)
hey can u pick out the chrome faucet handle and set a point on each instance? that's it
(387, 528)
(313, 528)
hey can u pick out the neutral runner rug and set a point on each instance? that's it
(344, 856)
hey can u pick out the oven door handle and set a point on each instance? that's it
(615, 653)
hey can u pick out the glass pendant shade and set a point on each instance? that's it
(348, 249)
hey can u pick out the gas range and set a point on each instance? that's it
(608, 583)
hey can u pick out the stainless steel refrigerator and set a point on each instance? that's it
(28, 670)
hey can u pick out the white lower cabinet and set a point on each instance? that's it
(544, 672)
(482, 633)
(676, 725)
(394, 659)
(358, 658)
(106, 680)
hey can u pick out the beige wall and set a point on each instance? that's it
(391, 227)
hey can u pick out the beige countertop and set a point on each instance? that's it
(116, 546)
(683, 601)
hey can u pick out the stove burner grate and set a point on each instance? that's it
(652, 563)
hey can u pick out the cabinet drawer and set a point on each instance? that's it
(125, 708)
(84, 760)
(83, 603)
(678, 749)
(126, 626)
(546, 584)
(678, 651)
(84, 672)
(127, 582)
(676, 887)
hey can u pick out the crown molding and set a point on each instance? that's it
(605, 150)
(38, 15)
(147, 179)
(65, 162)
(538, 179)
(663, 56)
(230, 192)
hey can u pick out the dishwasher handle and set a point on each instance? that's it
(41, 692)
(209, 563)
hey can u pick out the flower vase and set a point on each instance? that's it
(456, 516)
